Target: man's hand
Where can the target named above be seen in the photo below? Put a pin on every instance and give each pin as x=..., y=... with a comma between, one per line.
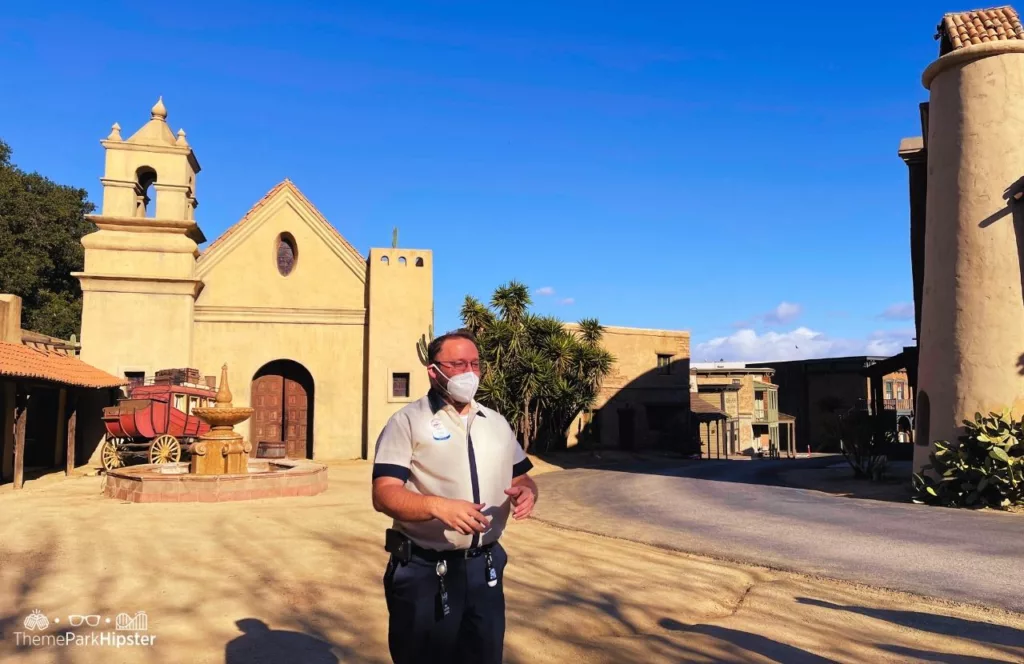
x=459, y=515
x=523, y=498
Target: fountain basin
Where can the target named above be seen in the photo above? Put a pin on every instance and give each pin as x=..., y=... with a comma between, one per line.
x=172, y=482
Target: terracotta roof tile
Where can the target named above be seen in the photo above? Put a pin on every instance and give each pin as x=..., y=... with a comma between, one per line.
x=19, y=361
x=285, y=184
x=980, y=26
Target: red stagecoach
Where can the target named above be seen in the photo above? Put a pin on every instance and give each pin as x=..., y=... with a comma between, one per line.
x=156, y=419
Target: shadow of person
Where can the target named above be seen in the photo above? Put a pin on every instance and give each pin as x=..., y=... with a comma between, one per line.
x=982, y=632
x=259, y=644
x=753, y=643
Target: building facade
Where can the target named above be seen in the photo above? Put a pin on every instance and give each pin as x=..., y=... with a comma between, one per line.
x=645, y=400
x=810, y=390
x=319, y=339
x=42, y=387
x=749, y=398
x=965, y=195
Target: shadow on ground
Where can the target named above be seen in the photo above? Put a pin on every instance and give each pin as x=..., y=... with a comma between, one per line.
x=299, y=580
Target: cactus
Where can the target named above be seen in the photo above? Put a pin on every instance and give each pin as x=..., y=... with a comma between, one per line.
x=424, y=341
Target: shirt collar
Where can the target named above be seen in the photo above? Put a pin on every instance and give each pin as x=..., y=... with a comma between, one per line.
x=437, y=403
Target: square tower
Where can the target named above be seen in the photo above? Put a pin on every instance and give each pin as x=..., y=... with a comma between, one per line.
x=401, y=309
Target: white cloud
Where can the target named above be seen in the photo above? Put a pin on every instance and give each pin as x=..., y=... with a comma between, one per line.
x=545, y=290
x=899, y=311
x=567, y=300
x=786, y=312
x=798, y=344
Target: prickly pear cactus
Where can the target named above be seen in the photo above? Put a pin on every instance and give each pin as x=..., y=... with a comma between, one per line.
x=424, y=341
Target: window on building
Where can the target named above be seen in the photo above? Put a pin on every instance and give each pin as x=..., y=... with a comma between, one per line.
x=900, y=393
x=135, y=378
x=287, y=253
x=663, y=417
x=400, y=385
x=664, y=363
x=888, y=389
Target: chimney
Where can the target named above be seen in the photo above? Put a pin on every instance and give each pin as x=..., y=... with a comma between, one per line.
x=10, y=318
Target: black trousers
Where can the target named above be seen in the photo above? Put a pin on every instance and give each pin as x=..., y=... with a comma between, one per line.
x=473, y=631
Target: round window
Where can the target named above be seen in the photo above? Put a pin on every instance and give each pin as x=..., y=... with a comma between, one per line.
x=286, y=253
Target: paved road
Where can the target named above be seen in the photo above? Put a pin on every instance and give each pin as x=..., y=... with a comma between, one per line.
x=714, y=508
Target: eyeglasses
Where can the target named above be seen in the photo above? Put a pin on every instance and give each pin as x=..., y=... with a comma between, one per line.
x=91, y=621
x=460, y=365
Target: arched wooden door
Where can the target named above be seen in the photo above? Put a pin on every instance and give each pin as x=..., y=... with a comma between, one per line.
x=282, y=401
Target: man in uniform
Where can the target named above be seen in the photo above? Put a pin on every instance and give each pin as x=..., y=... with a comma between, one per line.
x=449, y=472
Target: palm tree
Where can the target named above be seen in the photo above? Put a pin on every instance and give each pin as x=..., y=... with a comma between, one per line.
x=537, y=373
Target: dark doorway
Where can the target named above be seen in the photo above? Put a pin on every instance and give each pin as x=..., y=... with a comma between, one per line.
x=626, y=429
x=282, y=400
x=41, y=430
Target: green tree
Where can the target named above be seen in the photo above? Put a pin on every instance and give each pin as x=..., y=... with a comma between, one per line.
x=536, y=372
x=41, y=227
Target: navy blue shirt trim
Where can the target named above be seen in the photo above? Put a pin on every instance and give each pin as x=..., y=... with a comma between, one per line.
x=390, y=470
x=522, y=468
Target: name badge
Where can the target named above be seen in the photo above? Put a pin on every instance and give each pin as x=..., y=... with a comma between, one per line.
x=438, y=430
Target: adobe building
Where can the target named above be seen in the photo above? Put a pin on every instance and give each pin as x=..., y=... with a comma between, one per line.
x=42, y=384
x=966, y=182
x=320, y=339
x=644, y=402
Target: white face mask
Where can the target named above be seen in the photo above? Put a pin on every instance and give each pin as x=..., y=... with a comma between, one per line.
x=463, y=387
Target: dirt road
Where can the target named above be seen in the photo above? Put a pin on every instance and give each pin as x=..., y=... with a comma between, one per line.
x=298, y=580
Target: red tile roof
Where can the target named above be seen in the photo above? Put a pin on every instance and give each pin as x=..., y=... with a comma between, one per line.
x=981, y=26
x=285, y=184
x=18, y=361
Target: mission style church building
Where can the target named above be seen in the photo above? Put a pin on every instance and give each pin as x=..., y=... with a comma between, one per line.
x=318, y=339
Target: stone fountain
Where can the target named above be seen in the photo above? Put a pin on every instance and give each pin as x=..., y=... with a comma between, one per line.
x=220, y=469
x=221, y=451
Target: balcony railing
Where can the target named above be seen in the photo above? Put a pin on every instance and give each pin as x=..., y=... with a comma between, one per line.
x=898, y=404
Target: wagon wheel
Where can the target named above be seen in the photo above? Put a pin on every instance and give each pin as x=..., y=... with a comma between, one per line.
x=165, y=449
x=113, y=453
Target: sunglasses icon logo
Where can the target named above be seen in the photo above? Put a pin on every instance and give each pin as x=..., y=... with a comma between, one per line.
x=91, y=621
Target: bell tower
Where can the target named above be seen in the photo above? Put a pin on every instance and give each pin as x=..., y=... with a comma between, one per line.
x=138, y=283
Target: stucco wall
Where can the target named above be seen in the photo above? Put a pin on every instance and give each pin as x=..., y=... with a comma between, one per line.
x=401, y=310
x=635, y=381
x=333, y=355
x=971, y=333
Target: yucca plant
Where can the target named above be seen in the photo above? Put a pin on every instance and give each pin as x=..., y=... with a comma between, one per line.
x=984, y=469
x=536, y=373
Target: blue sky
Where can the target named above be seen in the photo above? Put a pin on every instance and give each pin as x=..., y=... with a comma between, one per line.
x=730, y=170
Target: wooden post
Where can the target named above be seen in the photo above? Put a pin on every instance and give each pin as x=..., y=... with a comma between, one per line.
x=20, y=422
x=721, y=437
x=71, y=427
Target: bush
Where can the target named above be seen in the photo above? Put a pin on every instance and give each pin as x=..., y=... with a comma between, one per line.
x=863, y=439
x=985, y=469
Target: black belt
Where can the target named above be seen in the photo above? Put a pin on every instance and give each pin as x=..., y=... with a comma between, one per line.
x=451, y=554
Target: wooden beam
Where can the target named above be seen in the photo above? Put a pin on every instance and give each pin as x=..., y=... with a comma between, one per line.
x=72, y=425
x=20, y=422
